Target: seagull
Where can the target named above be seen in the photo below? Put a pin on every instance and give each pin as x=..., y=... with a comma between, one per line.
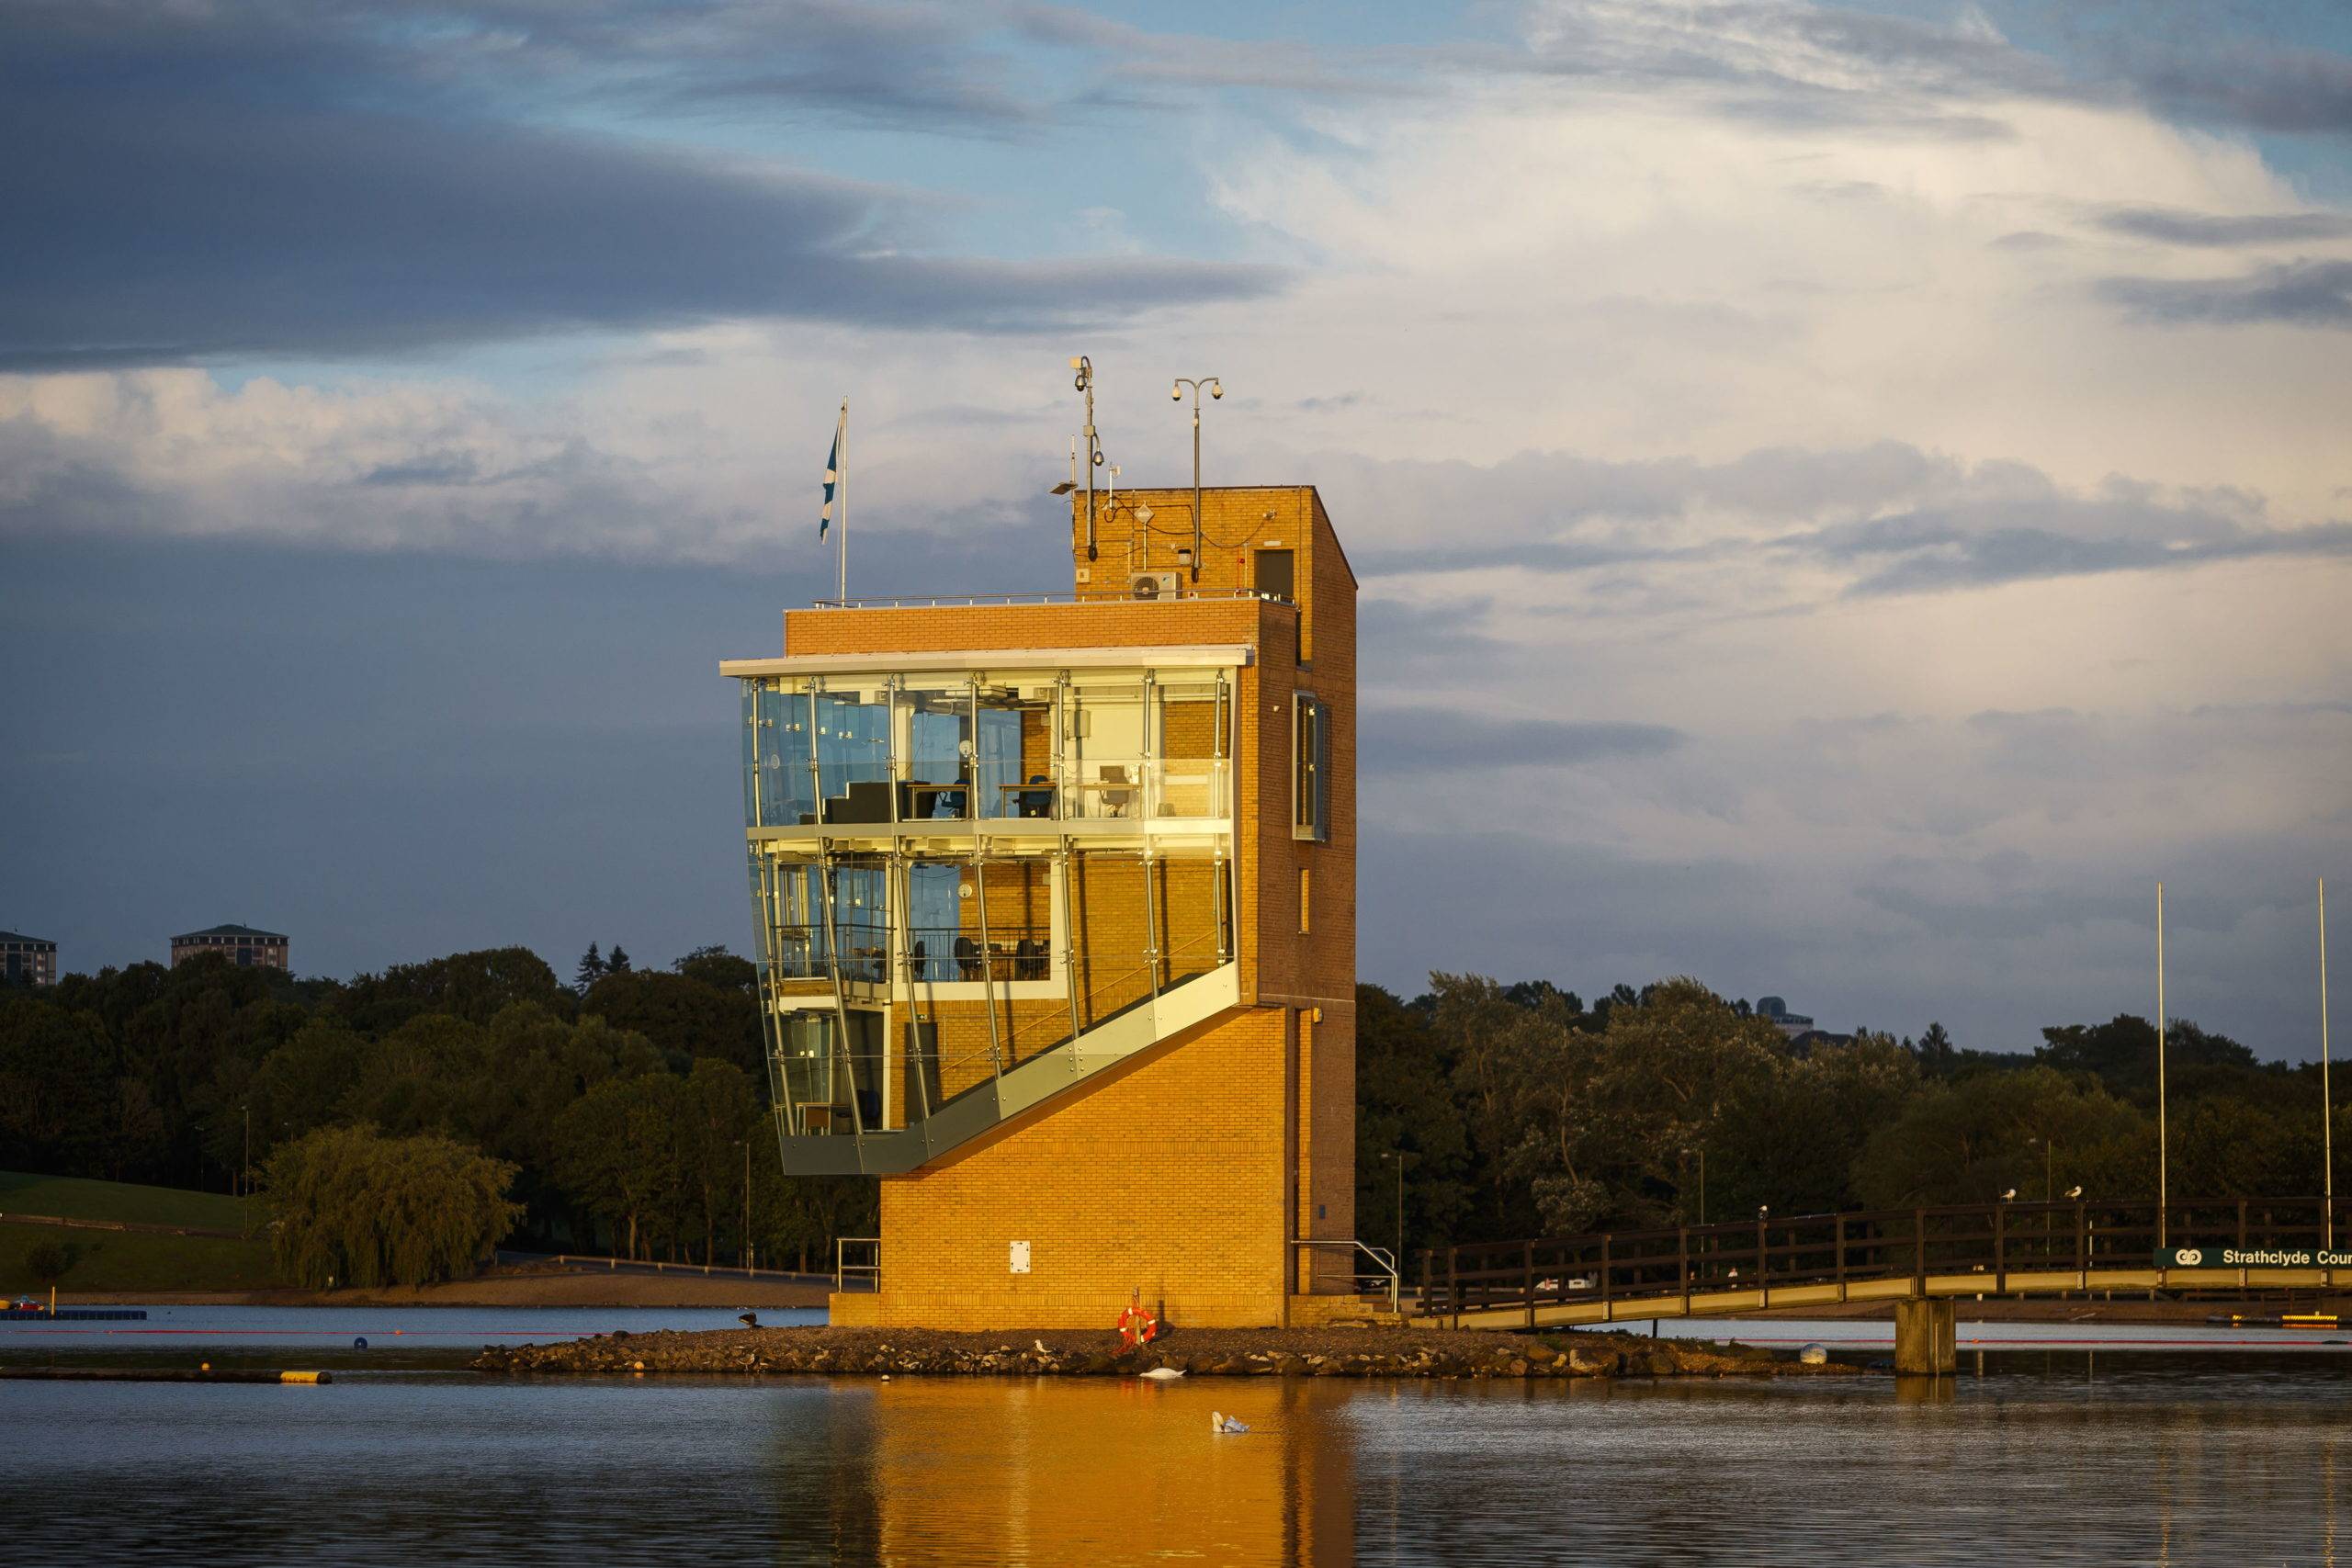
x=2073, y=1191
x=1163, y=1374
x=2011, y=1194
x=1221, y=1423
x=749, y=1319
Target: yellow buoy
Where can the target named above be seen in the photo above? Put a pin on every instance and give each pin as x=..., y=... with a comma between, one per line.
x=306, y=1377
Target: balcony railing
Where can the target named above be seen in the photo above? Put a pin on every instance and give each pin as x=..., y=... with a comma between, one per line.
x=1095, y=790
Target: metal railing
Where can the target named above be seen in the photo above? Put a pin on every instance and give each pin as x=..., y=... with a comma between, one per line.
x=868, y=1266
x=1994, y=1241
x=1384, y=1276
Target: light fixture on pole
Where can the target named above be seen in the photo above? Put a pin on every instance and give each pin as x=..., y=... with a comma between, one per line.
x=1085, y=383
x=1216, y=390
x=1398, y=1157
x=2326, y=1102
x=2164, y=1145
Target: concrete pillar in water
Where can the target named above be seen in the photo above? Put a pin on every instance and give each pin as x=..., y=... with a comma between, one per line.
x=1923, y=1339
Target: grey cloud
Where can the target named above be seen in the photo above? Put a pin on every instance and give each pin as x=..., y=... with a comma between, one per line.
x=2290, y=90
x=251, y=232
x=2304, y=293
x=1795, y=65
x=266, y=185
x=1932, y=555
x=1894, y=518
x=2175, y=227
x=1425, y=739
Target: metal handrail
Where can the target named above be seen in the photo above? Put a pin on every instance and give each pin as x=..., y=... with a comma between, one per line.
x=1768, y=1252
x=1380, y=1254
x=843, y=1269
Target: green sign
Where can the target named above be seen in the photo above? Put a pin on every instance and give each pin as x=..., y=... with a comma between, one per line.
x=2251, y=1257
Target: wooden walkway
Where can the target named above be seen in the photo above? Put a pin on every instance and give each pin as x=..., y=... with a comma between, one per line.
x=1968, y=1250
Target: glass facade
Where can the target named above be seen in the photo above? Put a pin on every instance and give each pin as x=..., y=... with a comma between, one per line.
x=829, y=754
x=955, y=873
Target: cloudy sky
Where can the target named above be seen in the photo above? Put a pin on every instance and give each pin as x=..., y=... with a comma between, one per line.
x=1847, y=496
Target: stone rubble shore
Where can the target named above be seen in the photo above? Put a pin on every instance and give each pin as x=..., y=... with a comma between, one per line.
x=1325, y=1352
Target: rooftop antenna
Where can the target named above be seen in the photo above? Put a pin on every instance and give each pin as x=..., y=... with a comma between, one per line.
x=1085, y=383
x=1216, y=390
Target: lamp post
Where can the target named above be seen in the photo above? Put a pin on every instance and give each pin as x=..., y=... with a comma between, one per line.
x=2163, y=1146
x=1398, y=1157
x=746, y=1248
x=2326, y=1103
x=245, y=1176
x=1216, y=390
x=1084, y=382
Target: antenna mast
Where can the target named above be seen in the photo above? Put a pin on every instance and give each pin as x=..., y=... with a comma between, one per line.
x=1085, y=383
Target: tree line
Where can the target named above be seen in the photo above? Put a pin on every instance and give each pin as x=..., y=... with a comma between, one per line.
x=1522, y=1112
x=626, y=1113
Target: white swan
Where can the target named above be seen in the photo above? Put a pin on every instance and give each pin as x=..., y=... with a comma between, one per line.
x=1163, y=1374
x=1221, y=1423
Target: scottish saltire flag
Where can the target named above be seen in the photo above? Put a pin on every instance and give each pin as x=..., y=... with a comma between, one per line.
x=832, y=475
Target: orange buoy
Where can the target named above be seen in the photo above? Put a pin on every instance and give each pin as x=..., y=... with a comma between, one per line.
x=1136, y=1325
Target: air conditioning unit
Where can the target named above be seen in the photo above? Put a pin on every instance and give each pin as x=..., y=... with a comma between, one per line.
x=1154, y=585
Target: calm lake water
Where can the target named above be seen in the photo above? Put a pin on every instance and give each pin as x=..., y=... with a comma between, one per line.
x=2048, y=1456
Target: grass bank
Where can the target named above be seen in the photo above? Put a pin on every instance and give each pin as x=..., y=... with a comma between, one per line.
x=126, y=1261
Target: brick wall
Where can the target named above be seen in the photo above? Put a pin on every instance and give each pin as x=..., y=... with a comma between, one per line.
x=1164, y=1178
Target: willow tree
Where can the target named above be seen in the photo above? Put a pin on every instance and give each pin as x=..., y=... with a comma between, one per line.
x=353, y=1207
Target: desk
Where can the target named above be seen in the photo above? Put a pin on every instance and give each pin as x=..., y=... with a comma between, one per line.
x=822, y=1118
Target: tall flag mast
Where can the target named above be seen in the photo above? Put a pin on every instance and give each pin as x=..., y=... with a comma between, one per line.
x=837, y=488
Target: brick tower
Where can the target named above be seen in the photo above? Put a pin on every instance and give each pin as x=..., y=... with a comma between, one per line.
x=1055, y=905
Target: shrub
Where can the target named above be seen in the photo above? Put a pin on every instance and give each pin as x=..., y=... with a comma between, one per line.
x=49, y=1261
x=354, y=1207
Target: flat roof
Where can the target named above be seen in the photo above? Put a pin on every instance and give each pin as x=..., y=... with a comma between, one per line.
x=1195, y=656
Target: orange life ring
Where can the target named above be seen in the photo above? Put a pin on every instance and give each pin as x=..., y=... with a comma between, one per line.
x=1136, y=1325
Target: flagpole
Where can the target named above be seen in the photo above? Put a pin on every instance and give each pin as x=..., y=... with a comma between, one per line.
x=2164, y=1212
x=2326, y=1104
x=844, y=491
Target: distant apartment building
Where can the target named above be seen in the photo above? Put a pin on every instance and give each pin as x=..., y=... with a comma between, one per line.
x=241, y=945
x=27, y=960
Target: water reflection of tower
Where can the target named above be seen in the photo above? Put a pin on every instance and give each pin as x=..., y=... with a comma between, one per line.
x=1092, y=1471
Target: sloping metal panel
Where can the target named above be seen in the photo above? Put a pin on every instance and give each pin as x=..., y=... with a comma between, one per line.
x=1020, y=1088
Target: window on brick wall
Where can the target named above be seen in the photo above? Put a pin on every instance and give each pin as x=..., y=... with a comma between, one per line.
x=1311, y=760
